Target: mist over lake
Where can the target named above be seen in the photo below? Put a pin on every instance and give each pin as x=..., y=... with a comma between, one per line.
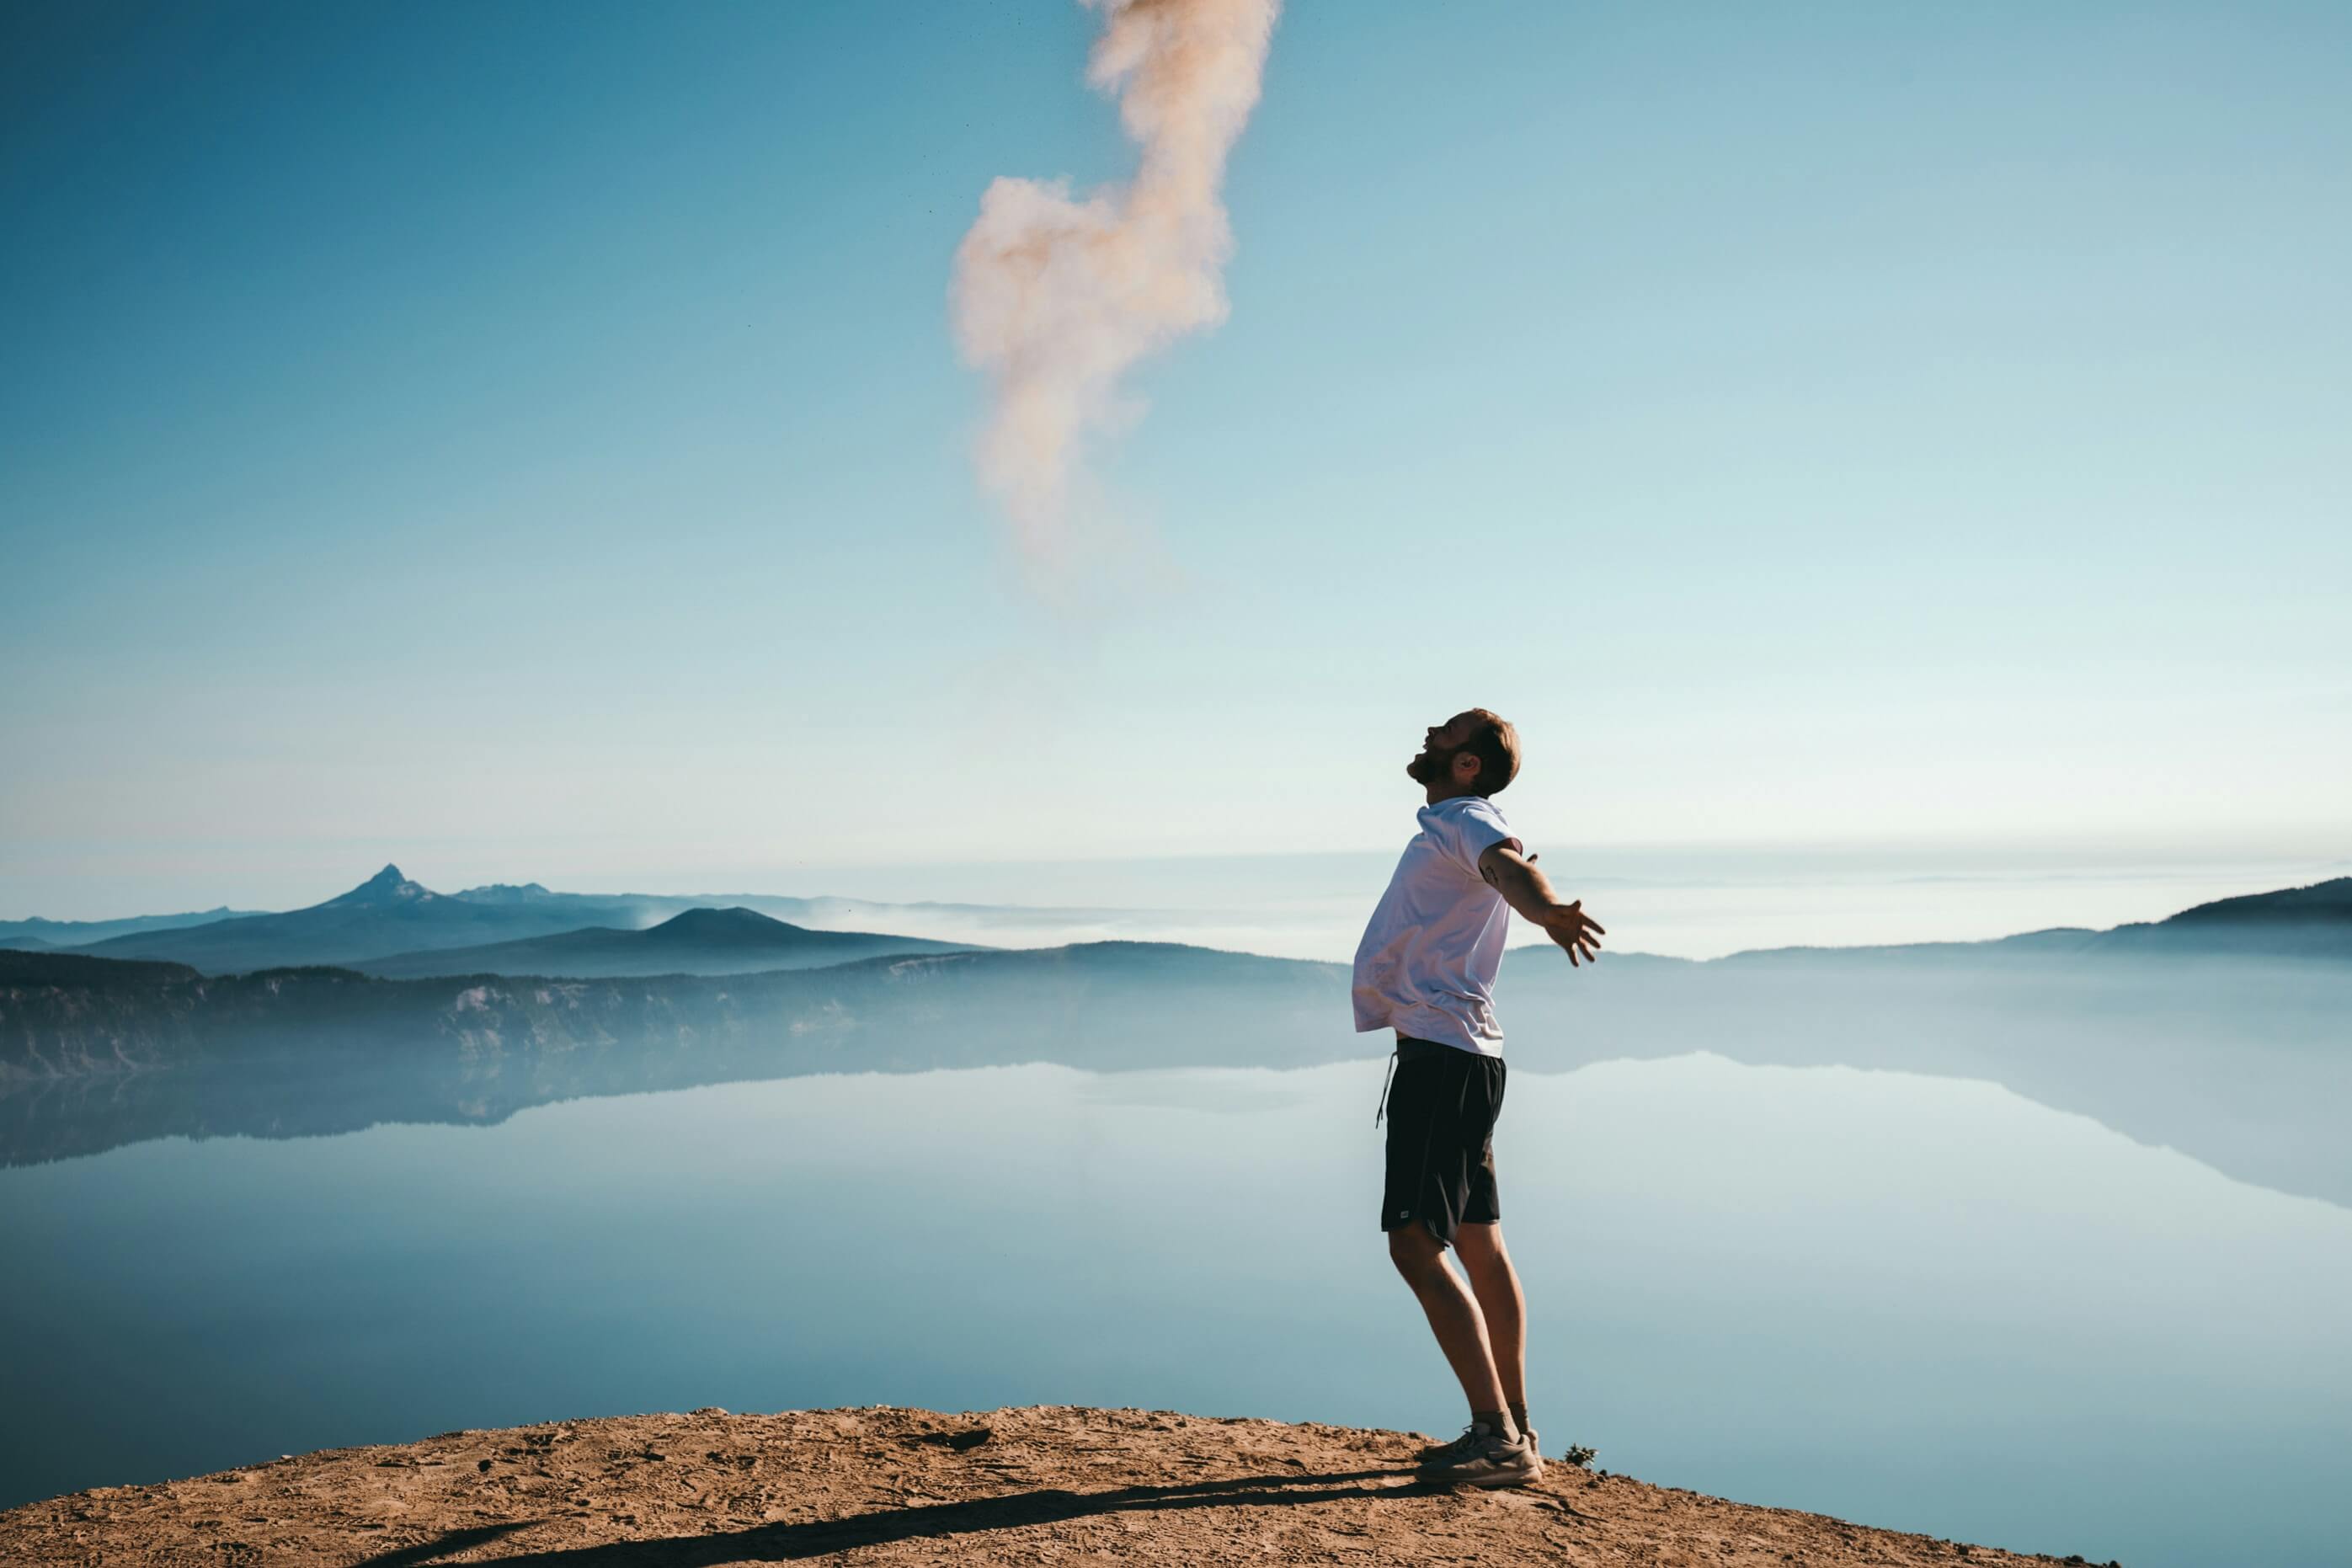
x=1700, y=902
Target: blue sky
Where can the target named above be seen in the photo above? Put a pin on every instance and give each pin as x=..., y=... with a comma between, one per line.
x=527, y=441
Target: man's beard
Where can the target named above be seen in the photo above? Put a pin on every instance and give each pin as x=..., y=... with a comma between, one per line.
x=1430, y=767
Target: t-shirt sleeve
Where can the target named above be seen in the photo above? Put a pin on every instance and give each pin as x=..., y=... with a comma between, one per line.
x=1476, y=829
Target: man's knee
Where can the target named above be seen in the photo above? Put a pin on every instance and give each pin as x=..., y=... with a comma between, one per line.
x=1414, y=1250
x=1486, y=1265
x=1479, y=1243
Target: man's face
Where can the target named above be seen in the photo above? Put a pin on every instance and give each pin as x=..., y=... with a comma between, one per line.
x=1440, y=744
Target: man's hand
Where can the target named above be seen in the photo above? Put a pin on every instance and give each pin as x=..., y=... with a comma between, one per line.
x=1528, y=890
x=1578, y=932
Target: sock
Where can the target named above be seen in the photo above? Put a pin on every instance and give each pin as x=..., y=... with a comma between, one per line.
x=1498, y=1422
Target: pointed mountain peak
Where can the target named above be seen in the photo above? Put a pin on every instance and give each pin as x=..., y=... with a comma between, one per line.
x=386, y=887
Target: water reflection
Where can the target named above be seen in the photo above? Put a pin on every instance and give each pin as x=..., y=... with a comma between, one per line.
x=2243, y=1063
x=1915, y=1301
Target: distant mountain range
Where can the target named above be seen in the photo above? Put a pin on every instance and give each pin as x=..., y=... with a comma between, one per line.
x=391, y=919
x=385, y=914
x=2313, y=921
x=389, y=925
x=2225, y=1032
x=37, y=932
x=699, y=941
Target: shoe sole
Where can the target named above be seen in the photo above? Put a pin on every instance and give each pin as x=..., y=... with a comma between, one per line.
x=1430, y=1460
x=1489, y=1480
x=1507, y=1478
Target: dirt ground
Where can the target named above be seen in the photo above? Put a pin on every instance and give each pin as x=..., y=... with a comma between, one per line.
x=1041, y=1485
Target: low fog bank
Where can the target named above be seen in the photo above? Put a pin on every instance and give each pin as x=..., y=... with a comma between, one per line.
x=1675, y=903
x=94, y=1054
x=2243, y=1063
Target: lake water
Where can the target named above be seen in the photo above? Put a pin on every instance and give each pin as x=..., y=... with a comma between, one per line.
x=1920, y=1302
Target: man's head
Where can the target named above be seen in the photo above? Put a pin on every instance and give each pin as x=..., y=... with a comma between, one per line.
x=1474, y=753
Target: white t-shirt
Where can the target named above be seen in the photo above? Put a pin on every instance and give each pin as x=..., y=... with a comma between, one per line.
x=1426, y=966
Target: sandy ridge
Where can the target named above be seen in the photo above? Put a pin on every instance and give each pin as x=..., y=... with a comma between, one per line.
x=1051, y=1484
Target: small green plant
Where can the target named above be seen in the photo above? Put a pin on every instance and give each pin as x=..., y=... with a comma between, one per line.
x=1580, y=1456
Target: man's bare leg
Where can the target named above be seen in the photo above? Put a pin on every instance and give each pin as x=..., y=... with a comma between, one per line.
x=1454, y=1316
x=1501, y=1305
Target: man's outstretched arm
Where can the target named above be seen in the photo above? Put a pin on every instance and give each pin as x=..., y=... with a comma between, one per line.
x=1529, y=891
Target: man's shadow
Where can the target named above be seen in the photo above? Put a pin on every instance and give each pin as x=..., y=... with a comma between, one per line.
x=785, y=1541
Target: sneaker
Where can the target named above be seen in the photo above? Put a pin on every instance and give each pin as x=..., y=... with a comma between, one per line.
x=1441, y=1454
x=1480, y=1459
x=1447, y=1453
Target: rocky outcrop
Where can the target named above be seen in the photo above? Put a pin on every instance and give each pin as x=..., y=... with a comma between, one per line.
x=1042, y=1484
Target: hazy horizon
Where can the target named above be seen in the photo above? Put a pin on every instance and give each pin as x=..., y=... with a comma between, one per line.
x=1684, y=902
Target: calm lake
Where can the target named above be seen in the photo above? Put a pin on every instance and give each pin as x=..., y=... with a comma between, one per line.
x=1921, y=1302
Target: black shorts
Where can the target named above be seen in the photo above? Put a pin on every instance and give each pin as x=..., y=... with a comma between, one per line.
x=1441, y=1105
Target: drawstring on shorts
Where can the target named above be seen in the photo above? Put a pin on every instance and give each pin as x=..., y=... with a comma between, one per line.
x=1386, y=1078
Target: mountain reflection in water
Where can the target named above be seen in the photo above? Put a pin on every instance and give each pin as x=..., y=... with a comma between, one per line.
x=2244, y=1062
x=1909, y=1301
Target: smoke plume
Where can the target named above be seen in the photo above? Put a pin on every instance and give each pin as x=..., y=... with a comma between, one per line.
x=1055, y=297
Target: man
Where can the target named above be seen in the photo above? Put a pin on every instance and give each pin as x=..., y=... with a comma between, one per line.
x=1426, y=968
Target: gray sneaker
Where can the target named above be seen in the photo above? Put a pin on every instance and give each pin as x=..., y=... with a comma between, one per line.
x=1443, y=1454
x=1480, y=1459
x=1447, y=1453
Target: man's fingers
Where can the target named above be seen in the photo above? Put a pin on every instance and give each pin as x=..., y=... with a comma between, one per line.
x=1580, y=939
x=1597, y=926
